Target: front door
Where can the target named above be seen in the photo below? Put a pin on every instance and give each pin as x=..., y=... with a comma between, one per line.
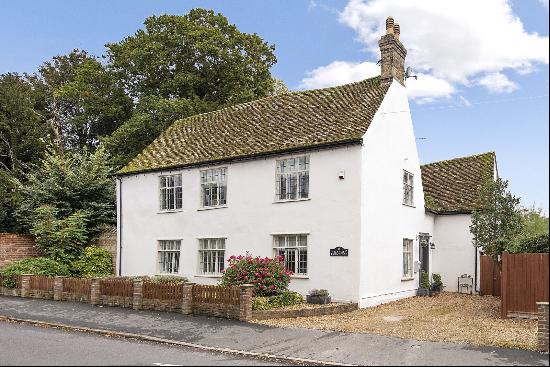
x=424, y=253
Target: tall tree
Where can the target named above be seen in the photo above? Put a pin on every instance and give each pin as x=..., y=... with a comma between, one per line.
x=178, y=66
x=84, y=99
x=499, y=220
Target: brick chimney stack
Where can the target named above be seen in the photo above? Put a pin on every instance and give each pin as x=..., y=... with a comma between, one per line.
x=393, y=54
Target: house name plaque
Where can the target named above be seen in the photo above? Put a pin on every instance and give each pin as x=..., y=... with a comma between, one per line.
x=338, y=251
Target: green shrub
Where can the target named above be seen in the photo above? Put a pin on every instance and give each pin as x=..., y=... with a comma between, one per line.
x=93, y=262
x=531, y=244
x=35, y=266
x=60, y=239
x=424, y=280
x=268, y=276
x=436, y=279
x=283, y=299
x=168, y=279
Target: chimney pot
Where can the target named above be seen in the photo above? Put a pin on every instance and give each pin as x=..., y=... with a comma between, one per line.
x=396, y=30
x=389, y=25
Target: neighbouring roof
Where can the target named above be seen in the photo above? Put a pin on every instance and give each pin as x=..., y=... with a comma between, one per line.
x=281, y=123
x=453, y=186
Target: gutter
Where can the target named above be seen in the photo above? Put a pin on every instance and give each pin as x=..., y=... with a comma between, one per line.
x=119, y=229
x=351, y=141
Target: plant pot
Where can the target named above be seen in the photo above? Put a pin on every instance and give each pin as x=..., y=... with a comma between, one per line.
x=436, y=288
x=423, y=292
x=318, y=300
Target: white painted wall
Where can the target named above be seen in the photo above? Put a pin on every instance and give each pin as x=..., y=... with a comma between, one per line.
x=331, y=217
x=389, y=148
x=454, y=253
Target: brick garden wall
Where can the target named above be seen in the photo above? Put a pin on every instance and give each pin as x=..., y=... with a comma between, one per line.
x=542, y=334
x=15, y=247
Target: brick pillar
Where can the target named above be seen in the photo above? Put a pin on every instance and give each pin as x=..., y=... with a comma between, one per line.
x=58, y=289
x=25, y=285
x=245, y=302
x=137, y=300
x=95, y=292
x=542, y=326
x=187, y=299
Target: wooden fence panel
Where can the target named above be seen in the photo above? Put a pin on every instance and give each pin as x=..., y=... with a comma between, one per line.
x=162, y=291
x=524, y=283
x=490, y=278
x=117, y=287
x=78, y=288
x=216, y=294
x=41, y=283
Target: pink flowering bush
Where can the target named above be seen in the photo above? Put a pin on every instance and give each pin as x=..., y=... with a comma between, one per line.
x=268, y=276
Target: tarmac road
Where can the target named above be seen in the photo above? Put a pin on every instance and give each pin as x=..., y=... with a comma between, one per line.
x=22, y=344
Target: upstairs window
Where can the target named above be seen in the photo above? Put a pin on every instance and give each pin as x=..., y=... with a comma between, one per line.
x=169, y=256
x=170, y=192
x=292, y=178
x=214, y=187
x=408, y=188
x=293, y=248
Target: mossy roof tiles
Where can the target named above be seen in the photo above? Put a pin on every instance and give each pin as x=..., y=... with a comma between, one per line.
x=280, y=123
x=453, y=186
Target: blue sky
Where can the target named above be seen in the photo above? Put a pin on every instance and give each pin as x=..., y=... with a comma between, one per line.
x=482, y=66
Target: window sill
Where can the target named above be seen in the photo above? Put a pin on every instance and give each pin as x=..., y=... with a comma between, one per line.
x=407, y=279
x=299, y=276
x=211, y=207
x=410, y=206
x=169, y=211
x=290, y=200
x=208, y=275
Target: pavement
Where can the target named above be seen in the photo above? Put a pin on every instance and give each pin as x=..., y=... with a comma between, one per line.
x=26, y=345
x=319, y=345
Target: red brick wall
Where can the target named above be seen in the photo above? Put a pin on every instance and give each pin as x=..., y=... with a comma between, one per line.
x=15, y=247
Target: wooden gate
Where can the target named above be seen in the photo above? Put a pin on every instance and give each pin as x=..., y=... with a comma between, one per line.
x=489, y=281
x=524, y=283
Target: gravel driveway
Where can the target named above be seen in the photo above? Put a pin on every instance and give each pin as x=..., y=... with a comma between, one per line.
x=448, y=317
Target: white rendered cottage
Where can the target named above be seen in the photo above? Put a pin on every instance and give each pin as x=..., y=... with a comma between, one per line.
x=302, y=174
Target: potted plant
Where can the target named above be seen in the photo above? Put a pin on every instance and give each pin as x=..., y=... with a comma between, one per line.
x=318, y=297
x=437, y=284
x=424, y=289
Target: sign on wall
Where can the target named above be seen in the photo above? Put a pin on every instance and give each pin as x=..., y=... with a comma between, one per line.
x=338, y=251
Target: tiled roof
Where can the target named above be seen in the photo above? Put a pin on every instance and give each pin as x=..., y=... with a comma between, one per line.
x=453, y=186
x=274, y=124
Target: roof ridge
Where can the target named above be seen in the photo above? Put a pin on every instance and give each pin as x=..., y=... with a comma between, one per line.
x=462, y=157
x=244, y=104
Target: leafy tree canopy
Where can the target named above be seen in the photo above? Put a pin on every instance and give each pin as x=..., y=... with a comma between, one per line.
x=70, y=182
x=499, y=221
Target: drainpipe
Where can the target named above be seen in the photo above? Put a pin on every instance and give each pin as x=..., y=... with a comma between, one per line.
x=119, y=230
x=475, y=269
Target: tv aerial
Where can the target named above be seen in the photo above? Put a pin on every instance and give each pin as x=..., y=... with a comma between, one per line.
x=408, y=73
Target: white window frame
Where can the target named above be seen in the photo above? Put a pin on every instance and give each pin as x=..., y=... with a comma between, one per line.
x=214, y=178
x=408, y=188
x=288, y=170
x=170, y=194
x=213, y=247
x=408, y=258
x=292, y=246
x=168, y=256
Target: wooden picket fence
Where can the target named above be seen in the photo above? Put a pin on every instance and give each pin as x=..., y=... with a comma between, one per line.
x=524, y=283
x=117, y=287
x=161, y=291
x=41, y=283
x=216, y=294
x=77, y=287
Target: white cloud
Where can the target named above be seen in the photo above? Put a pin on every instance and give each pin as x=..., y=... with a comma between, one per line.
x=337, y=73
x=451, y=43
x=497, y=83
x=427, y=88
